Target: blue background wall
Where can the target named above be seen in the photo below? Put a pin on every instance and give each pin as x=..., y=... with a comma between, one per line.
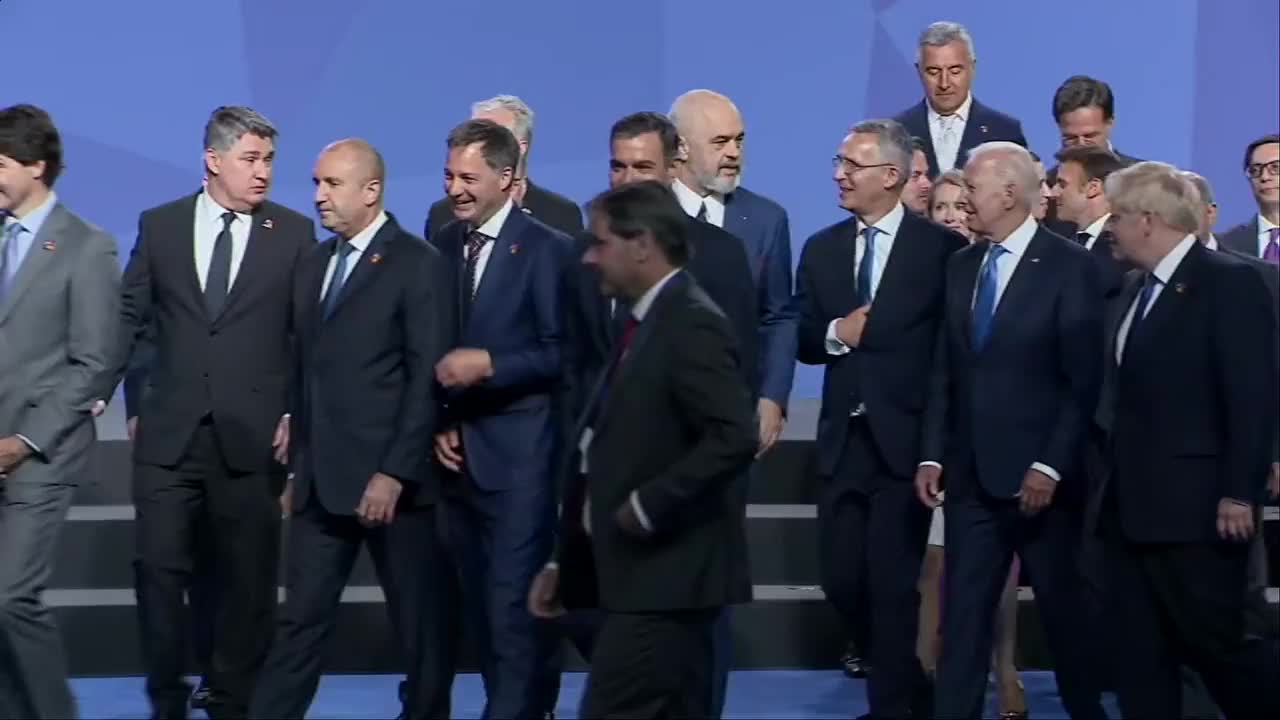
x=131, y=83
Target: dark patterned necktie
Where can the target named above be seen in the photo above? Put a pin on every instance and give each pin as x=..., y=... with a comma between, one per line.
x=475, y=243
x=218, y=281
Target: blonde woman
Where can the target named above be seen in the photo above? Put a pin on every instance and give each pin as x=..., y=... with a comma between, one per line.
x=949, y=207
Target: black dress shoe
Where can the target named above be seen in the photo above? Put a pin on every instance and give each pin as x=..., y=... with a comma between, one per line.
x=853, y=664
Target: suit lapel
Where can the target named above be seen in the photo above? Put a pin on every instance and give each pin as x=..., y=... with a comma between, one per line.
x=897, y=269
x=376, y=253
x=643, y=333
x=41, y=252
x=843, y=261
x=255, y=255
x=1027, y=278
x=184, y=231
x=1116, y=313
x=506, y=248
x=313, y=281
x=1180, y=289
x=963, y=287
x=925, y=133
x=975, y=132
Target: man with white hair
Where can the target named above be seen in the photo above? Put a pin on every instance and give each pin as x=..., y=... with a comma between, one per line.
x=949, y=119
x=709, y=187
x=1015, y=382
x=1192, y=352
x=547, y=207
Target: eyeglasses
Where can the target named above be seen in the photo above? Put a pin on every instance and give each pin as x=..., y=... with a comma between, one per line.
x=851, y=167
x=1272, y=169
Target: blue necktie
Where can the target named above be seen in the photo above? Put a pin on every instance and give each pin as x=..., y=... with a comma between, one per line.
x=9, y=260
x=339, y=277
x=866, y=265
x=1149, y=283
x=984, y=304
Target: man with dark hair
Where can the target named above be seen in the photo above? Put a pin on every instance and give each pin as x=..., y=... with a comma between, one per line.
x=1082, y=169
x=501, y=429
x=890, y=263
x=371, y=305
x=949, y=119
x=551, y=208
x=1260, y=237
x=213, y=428
x=915, y=192
x=59, y=301
x=659, y=523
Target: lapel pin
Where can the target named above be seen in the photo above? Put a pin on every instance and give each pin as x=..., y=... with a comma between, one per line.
x=514, y=248
x=50, y=245
x=1179, y=288
x=1034, y=260
x=268, y=224
x=526, y=211
x=375, y=258
x=982, y=128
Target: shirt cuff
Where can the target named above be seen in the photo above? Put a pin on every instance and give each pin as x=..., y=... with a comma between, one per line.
x=639, y=511
x=1047, y=471
x=34, y=448
x=835, y=346
x=930, y=463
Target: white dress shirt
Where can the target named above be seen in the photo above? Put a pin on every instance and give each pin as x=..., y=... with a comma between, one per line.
x=888, y=227
x=358, y=244
x=1094, y=230
x=946, y=132
x=638, y=310
x=1264, y=234
x=692, y=203
x=1212, y=242
x=1016, y=246
x=208, y=224
x=1164, y=270
x=490, y=229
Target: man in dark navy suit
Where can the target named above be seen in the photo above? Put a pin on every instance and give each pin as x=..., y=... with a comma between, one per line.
x=949, y=120
x=551, y=208
x=370, y=308
x=869, y=291
x=502, y=427
x=1015, y=381
x=708, y=183
x=1260, y=237
x=1080, y=201
x=1192, y=355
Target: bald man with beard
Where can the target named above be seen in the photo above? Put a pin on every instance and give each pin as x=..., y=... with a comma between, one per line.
x=370, y=329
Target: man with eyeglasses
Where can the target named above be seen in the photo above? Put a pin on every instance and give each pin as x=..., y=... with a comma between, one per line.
x=1260, y=237
x=869, y=294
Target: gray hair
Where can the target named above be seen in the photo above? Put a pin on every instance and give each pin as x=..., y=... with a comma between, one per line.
x=229, y=123
x=1013, y=164
x=1202, y=187
x=894, y=144
x=523, y=115
x=942, y=33
x=679, y=112
x=1159, y=189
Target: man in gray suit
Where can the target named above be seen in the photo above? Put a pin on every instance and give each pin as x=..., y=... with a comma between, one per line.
x=59, y=304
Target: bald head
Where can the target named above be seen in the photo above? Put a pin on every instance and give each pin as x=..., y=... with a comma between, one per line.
x=348, y=176
x=711, y=141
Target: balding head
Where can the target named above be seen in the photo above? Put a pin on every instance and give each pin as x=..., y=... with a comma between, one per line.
x=348, y=176
x=711, y=141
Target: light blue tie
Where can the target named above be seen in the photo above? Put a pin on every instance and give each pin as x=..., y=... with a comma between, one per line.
x=984, y=305
x=9, y=259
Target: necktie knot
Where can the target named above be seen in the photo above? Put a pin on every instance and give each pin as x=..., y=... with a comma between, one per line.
x=475, y=241
x=702, y=212
x=228, y=218
x=996, y=251
x=1271, y=253
x=344, y=248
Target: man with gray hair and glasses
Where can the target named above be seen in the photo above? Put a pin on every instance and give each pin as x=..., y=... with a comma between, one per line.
x=888, y=263
x=214, y=272
x=549, y=208
x=1191, y=348
x=949, y=119
x=1015, y=383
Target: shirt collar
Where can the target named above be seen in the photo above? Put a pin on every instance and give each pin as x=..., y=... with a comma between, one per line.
x=362, y=239
x=641, y=307
x=690, y=201
x=1212, y=242
x=1095, y=228
x=33, y=220
x=1170, y=262
x=889, y=224
x=1020, y=238
x=1265, y=225
x=213, y=212
x=493, y=226
x=961, y=113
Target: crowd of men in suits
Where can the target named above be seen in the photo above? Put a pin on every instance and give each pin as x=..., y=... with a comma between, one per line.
x=547, y=429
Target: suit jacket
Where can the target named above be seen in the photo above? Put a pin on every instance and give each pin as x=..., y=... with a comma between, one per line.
x=1194, y=415
x=364, y=393
x=898, y=343
x=984, y=125
x=1028, y=396
x=680, y=388
x=552, y=209
x=1242, y=238
x=718, y=263
x=56, y=340
x=509, y=422
x=763, y=227
x=1111, y=269
x=234, y=366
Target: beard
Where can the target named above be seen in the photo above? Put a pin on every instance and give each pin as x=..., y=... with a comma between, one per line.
x=715, y=183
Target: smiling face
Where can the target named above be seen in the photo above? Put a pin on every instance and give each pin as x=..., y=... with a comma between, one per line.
x=637, y=158
x=476, y=191
x=862, y=177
